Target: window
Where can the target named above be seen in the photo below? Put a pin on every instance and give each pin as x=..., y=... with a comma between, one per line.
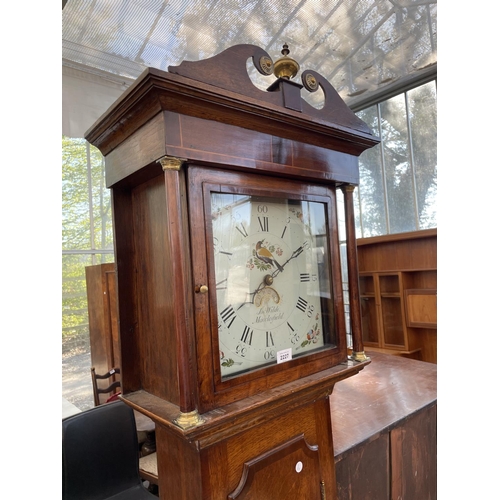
x=398, y=178
x=87, y=239
x=397, y=189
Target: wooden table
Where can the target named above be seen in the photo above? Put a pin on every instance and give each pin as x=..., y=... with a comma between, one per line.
x=384, y=430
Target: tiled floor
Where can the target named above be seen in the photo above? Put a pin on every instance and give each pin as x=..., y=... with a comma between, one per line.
x=76, y=380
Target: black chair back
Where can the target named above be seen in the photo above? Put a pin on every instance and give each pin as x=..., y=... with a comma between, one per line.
x=100, y=453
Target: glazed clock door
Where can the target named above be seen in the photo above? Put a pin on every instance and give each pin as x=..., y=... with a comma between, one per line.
x=272, y=270
x=269, y=278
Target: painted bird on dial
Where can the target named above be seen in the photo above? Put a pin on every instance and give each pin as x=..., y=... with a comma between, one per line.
x=266, y=256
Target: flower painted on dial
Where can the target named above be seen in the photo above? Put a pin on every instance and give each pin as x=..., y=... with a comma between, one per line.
x=312, y=336
x=227, y=362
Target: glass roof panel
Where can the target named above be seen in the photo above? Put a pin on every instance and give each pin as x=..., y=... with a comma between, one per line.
x=360, y=46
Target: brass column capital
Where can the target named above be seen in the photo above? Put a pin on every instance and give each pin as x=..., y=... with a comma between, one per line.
x=349, y=188
x=188, y=420
x=171, y=162
x=359, y=356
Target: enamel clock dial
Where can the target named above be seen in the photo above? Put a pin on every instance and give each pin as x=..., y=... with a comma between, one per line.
x=272, y=279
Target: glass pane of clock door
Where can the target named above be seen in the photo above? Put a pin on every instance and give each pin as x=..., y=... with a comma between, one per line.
x=273, y=279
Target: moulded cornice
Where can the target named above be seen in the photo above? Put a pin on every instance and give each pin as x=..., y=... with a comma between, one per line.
x=156, y=90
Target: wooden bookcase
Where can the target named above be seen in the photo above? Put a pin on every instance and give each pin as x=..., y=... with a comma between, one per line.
x=398, y=293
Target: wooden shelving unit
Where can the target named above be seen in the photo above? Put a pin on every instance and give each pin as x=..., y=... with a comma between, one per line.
x=398, y=293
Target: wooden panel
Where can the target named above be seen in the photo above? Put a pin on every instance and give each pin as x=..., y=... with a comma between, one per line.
x=290, y=470
x=429, y=344
x=220, y=138
x=414, y=457
x=371, y=402
x=179, y=468
x=273, y=447
x=143, y=147
x=154, y=277
x=421, y=308
x=384, y=430
x=210, y=141
x=309, y=421
x=364, y=474
x=103, y=321
x=126, y=289
x=420, y=279
x=398, y=252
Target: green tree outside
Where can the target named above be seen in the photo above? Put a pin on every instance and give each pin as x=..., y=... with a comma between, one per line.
x=407, y=185
x=86, y=231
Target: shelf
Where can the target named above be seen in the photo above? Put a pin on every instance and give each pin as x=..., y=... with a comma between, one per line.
x=388, y=238
x=393, y=351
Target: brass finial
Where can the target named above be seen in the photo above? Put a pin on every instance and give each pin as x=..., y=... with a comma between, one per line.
x=286, y=67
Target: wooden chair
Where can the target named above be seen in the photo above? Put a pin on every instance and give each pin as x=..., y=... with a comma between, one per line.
x=110, y=390
x=145, y=435
x=100, y=458
x=148, y=470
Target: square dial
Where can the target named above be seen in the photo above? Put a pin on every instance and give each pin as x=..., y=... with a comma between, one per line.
x=272, y=275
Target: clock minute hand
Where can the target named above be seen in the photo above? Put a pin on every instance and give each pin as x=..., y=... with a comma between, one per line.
x=294, y=255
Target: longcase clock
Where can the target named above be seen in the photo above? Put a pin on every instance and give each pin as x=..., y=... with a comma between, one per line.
x=231, y=309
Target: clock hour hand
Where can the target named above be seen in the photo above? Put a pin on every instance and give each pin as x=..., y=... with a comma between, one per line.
x=268, y=279
x=253, y=294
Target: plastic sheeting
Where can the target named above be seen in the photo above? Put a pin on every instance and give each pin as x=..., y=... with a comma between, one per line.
x=360, y=46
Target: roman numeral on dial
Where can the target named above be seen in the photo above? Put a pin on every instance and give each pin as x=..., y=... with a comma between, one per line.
x=269, y=339
x=222, y=285
x=228, y=315
x=264, y=223
x=241, y=228
x=302, y=304
x=247, y=335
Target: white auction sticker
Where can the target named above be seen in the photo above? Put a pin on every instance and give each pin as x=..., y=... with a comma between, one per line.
x=284, y=355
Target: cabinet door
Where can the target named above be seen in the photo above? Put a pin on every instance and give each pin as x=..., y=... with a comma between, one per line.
x=103, y=319
x=392, y=320
x=289, y=471
x=391, y=309
x=369, y=316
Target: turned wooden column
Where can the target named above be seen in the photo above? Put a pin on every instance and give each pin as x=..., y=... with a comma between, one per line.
x=358, y=352
x=176, y=199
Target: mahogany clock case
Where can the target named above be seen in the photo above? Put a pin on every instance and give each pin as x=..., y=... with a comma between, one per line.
x=167, y=141
x=173, y=140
